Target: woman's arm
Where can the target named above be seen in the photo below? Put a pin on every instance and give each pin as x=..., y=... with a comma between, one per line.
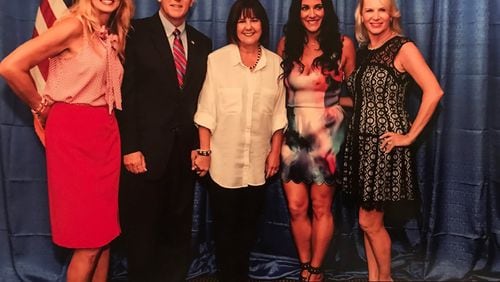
x=410, y=59
x=206, y=120
x=348, y=63
x=279, y=123
x=15, y=68
x=273, y=158
x=348, y=60
x=281, y=46
x=201, y=162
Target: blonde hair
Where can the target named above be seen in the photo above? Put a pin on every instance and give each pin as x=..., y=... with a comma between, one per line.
x=118, y=23
x=360, y=29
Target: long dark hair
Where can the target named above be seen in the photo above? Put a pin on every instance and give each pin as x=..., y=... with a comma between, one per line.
x=247, y=8
x=329, y=38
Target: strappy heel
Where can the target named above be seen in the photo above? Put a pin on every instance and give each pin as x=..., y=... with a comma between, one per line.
x=315, y=271
x=304, y=266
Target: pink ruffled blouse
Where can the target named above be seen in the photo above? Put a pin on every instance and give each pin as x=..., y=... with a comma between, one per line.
x=91, y=77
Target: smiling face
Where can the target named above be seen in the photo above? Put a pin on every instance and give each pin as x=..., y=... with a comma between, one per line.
x=176, y=10
x=311, y=15
x=376, y=18
x=248, y=30
x=104, y=8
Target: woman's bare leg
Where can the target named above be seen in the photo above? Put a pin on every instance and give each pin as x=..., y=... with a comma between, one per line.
x=101, y=270
x=372, y=223
x=82, y=265
x=298, y=202
x=322, y=224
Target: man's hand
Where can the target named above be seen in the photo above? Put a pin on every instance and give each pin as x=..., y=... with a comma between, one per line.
x=135, y=162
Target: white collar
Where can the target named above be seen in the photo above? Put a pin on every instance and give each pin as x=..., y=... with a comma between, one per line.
x=169, y=27
x=235, y=58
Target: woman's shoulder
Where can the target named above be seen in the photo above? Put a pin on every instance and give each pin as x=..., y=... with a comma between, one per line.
x=398, y=43
x=346, y=39
x=224, y=50
x=400, y=40
x=225, y=53
x=64, y=33
x=281, y=46
x=70, y=23
x=271, y=55
x=347, y=44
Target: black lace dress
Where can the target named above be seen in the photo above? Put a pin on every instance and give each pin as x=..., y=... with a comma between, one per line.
x=375, y=178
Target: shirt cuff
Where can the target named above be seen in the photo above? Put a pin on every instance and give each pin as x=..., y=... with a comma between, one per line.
x=205, y=120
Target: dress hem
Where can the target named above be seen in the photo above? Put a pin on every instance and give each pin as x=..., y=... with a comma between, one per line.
x=333, y=183
x=89, y=246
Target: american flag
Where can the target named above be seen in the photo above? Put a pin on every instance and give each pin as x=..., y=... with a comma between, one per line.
x=48, y=12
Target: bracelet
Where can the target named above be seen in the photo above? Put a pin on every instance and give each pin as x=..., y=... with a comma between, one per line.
x=41, y=107
x=205, y=153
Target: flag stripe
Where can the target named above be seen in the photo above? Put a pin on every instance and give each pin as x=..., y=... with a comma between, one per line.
x=40, y=24
x=58, y=7
x=38, y=78
x=48, y=12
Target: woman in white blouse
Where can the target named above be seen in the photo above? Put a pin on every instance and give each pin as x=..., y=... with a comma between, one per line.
x=241, y=116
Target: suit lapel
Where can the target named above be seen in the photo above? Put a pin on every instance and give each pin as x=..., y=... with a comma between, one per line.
x=193, y=55
x=160, y=41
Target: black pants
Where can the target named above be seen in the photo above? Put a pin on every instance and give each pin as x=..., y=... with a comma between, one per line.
x=236, y=213
x=156, y=218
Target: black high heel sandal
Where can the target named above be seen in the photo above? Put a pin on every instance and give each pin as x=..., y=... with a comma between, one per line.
x=304, y=266
x=315, y=270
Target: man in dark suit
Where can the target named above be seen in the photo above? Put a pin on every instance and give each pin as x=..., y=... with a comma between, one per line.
x=165, y=66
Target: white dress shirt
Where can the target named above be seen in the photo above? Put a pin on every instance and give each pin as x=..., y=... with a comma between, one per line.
x=169, y=32
x=242, y=109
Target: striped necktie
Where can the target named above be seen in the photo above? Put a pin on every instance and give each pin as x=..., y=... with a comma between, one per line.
x=179, y=58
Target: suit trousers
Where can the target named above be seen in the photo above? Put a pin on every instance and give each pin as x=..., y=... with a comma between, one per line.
x=156, y=216
x=236, y=214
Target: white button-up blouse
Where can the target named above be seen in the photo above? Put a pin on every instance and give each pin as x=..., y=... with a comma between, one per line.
x=242, y=109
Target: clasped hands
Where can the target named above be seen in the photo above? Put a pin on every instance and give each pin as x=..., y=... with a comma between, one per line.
x=199, y=163
x=136, y=163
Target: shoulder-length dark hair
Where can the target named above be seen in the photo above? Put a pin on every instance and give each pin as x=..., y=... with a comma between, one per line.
x=329, y=38
x=247, y=8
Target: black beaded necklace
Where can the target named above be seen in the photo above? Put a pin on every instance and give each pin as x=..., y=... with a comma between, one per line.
x=259, y=54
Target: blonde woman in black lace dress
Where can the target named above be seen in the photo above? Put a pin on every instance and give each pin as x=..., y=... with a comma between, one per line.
x=378, y=163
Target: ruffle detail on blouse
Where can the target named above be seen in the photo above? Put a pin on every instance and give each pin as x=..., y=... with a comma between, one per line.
x=113, y=95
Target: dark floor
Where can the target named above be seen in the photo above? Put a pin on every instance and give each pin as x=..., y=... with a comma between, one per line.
x=213, y=279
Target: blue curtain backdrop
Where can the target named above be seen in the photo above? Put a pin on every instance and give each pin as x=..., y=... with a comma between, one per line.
x=458, y=234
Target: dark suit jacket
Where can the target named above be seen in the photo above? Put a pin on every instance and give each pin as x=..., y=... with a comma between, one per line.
x=155, y=110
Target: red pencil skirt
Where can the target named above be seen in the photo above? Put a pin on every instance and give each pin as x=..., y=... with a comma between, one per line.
x=83, y=171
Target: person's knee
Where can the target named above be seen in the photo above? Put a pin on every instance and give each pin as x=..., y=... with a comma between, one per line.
x=297, y=208
x=369, y=224
x=88, y=256
x=321, y=209
x=93, y=256
x=365, y=224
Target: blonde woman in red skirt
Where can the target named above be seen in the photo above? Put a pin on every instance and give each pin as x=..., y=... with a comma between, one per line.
x=81, y=134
